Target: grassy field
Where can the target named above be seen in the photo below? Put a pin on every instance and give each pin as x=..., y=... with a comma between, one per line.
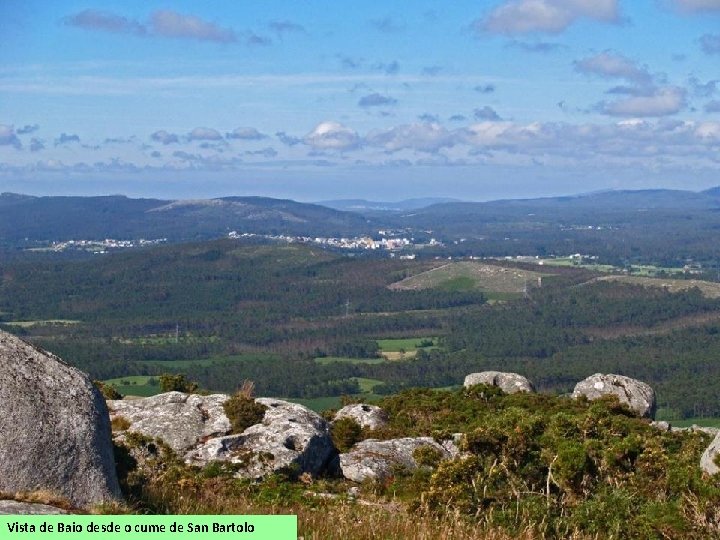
x=324, y=360
x=405, y=344
x=471, y=275
x=134, y=385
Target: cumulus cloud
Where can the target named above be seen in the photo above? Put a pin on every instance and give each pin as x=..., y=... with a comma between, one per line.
x=663, y=101
x=204, y=134
x=695, y=6
x=164, y=23
x=27, y=129
x=710, y=43
x=245, y=133
x=164, y=137
x=703, y=89
x=8, y=137
x=92, y=19
x=168, y=23
x=553, y=16
x=486, y=113
x=376, y=100
x=425, y=137
x=332, y=136
x=613, y=65
x=65, y=138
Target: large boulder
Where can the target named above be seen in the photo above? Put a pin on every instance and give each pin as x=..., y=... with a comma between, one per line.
x=510, y=383
x=637, y=395
x=290, y=437
x=377, y=460
x=26, y=508
x=54, y=428
x=181, y=420
x=707, y=461
x=368, y=416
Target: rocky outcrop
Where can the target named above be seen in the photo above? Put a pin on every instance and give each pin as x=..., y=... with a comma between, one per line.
x=54, y=428
x=181, y=420
x=637, y=395
x=707, y=460
x=368, y=416
x=26, y=509
x=510, y=383
x=377, y=460
x=290, y=436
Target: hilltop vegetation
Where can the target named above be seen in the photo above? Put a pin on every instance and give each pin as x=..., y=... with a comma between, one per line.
x=226, y=311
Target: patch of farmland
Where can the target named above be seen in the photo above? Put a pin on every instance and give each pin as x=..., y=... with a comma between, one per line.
x=472, y=275
x=708, y=288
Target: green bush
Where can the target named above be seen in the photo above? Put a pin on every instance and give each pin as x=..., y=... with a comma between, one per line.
x=243, y=412
x=345, y=433
x=177, y=383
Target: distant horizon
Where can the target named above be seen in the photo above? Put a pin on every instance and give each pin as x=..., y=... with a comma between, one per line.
x=351, y=198
x=308, y=101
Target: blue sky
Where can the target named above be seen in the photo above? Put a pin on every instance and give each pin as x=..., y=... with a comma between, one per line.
x=316, y=100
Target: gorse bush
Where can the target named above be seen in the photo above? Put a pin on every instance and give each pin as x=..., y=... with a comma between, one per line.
x=345, y=433
x=243, y=412
x=178, y=383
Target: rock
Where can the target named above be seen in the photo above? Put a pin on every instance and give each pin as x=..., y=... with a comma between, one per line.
x=661, y=425
x=510, y=383
x=290, y=436
x=54, y=426
x=707, y=460
x=376, y=460
x=640, y=397
x=181, y=420
x=26, y=509
x=368, y=416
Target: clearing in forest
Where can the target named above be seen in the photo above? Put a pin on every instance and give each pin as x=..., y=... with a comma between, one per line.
x=471, y=275
x=708, y=288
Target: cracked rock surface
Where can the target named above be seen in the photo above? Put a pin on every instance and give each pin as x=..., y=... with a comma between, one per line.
x=54, y=427
x=637, y=395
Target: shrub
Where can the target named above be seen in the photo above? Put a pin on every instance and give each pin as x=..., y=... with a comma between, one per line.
x=243, y=412
x=178, y=383
x=108, y=391
x=345, y=433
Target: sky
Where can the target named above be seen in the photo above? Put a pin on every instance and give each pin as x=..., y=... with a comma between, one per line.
x=317, y=100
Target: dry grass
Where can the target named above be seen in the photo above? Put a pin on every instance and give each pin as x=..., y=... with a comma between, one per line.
x=487, y=277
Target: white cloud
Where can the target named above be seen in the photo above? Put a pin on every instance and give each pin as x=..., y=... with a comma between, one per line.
x=204, y=134
x=553, y=16
x=93, y=19
x=662, y=102
x=332, y=136
x=425, y=137
x=168, y=23
x=609, y=64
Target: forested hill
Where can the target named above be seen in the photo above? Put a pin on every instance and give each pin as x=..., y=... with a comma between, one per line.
x=65, y=218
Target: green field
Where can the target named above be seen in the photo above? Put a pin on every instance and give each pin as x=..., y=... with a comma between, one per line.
x=405, y=344
x=705, y=422
x=318, y=404
x=134, y=385
x=324, y=360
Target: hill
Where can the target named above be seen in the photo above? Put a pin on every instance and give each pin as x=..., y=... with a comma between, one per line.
x=27, y=219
